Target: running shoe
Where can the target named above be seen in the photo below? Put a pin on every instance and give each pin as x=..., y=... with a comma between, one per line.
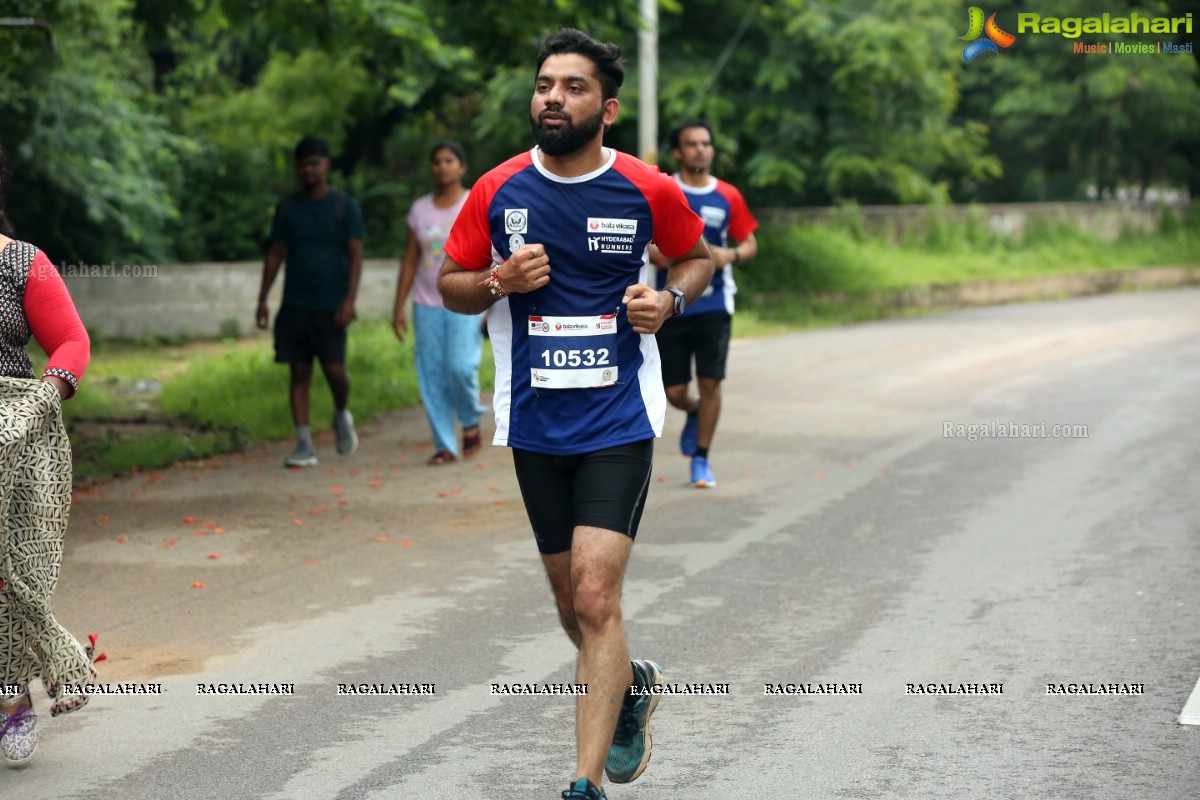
x=690, y=438
x=303, y=456
x=702, y=475
x=584, y=789
x=347, y=437
x=18, y=736
x=630, y=751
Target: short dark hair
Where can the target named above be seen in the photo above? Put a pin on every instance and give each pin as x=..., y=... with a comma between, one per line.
x=605, y=55
x=678, y=130
x=453, y=147
x=311, y=146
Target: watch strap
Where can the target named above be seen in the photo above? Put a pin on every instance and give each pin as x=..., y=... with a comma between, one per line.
x=680, y=299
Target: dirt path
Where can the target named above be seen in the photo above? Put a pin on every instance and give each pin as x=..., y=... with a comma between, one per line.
x=218, y=542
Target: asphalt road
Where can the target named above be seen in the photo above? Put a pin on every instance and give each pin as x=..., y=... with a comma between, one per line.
x=850, y=542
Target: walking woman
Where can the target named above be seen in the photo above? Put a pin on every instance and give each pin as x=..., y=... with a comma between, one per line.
x=448, y=345
x=35, y=490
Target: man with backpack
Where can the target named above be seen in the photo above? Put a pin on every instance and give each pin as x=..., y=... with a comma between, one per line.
x=319, y=231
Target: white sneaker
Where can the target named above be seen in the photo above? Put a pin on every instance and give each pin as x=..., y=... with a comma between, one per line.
x=18, y=736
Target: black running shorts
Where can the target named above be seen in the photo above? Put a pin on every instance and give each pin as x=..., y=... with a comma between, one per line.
x=706, y=336
x=605, y=489
x=302, y=334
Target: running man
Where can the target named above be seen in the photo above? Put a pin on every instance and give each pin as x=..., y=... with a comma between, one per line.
x=555, y=242
x=319, y=230
x=704, y=329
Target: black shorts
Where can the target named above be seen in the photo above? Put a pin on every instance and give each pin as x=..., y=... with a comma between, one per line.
x=706, y=336
x=302, y=334
x=605, y=489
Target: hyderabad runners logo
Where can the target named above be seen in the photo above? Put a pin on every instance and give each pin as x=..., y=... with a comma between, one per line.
x=979, y=45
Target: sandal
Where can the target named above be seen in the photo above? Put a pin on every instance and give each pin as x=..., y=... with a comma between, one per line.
x=472, y=442
x=441, y=457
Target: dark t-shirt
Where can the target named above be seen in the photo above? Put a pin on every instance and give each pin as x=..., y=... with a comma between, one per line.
x=318, y=267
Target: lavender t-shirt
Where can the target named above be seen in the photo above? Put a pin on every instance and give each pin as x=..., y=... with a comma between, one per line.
x=431, y=225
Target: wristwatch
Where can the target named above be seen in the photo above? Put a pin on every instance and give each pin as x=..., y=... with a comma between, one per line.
x=680, y=300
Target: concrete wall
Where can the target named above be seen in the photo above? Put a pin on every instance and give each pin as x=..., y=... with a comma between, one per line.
x=208, y=300
x=202, y=300
x=1104, y=220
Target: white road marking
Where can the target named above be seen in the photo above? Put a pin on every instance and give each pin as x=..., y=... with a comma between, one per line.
x=1191, y=709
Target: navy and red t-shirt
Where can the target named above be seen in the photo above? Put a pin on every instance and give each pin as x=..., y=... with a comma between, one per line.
x=725, y=214
x=571, y=375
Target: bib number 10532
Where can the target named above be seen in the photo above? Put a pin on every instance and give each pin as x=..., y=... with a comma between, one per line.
x=573, y=352
x=575, y=358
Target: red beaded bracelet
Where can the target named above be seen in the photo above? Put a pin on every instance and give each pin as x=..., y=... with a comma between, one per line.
x=492, y=281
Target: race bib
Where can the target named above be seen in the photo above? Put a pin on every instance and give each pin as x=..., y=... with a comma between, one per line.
x=573, y=352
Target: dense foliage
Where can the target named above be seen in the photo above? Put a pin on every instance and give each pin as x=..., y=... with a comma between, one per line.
x=161, y=130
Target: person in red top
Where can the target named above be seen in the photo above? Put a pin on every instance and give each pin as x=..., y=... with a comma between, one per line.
x=33, y=300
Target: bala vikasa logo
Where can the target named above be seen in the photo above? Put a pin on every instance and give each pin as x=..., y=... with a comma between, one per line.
x=979, y=44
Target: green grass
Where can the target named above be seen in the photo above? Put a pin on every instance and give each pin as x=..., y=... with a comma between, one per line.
x=244, y=392
x=218, y=396
x=95, y=458
x=807, y=276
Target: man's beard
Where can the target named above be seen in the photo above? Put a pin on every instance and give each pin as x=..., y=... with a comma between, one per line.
x=569, y=138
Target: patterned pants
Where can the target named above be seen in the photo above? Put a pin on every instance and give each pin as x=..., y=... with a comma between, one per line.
x=35, y=500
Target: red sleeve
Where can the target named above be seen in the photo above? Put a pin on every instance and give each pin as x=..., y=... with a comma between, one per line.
x=55, y=323
x=741, y=222
x=470, y=241
x=676, y=226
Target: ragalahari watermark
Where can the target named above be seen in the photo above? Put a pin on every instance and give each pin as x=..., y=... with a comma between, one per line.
x=110, y=270
x=999, y=429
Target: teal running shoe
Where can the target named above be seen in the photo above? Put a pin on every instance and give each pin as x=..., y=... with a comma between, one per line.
x=630, y=751
x=583, y=789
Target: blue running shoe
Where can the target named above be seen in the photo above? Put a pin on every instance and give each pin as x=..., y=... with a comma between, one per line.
x=583, y=789
x=630, y=751
x=690, y=438
x=702, y=475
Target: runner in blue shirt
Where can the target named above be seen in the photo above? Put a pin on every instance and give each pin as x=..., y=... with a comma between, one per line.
x=703, y=332
x=555, y=243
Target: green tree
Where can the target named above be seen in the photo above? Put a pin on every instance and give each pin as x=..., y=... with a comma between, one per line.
x=821, y=102
x=96, y=167
x=162, y=129
x=1063, y=122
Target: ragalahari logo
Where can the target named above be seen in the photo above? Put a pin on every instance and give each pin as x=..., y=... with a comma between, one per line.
x=994, y=40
